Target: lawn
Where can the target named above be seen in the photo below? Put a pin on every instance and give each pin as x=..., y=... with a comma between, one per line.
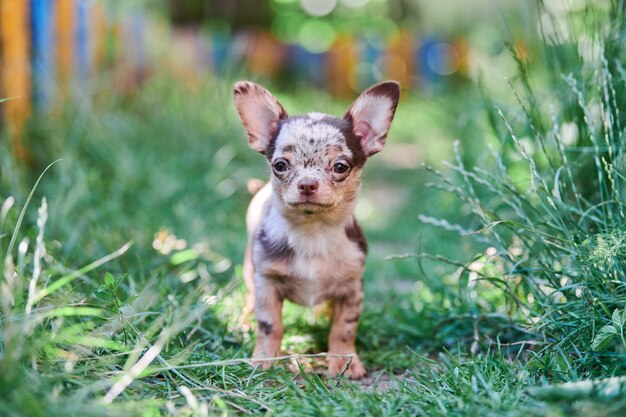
x=493, y=281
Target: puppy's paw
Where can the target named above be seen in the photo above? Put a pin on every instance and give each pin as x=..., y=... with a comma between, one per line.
x=263, y=363
x=355, y=370
x=261, y=357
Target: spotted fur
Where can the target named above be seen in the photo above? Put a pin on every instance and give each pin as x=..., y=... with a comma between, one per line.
x=304, y=242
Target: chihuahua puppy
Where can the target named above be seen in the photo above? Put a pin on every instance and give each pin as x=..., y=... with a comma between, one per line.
x=304, y=243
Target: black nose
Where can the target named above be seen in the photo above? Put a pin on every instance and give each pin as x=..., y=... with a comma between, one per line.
x=308, y=187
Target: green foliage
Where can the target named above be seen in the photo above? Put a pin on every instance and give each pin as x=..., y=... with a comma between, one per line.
x=110, y=291
x=606, y=333
x=549, y=204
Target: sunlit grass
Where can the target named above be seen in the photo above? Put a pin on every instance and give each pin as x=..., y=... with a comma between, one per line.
x=551, y=207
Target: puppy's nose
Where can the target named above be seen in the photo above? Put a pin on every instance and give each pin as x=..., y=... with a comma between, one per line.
x=308, y=187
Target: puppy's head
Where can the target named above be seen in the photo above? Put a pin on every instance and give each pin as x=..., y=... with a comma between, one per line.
x=316, y=159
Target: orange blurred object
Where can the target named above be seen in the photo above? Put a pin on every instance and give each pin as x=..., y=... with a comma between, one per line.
x=65, y=20
x=99, y=24
x=399, y=59
x=184, y=40
x=521, y=50
x=462, y=63
x=265, y=54
x=15, y=76
x=342, y=58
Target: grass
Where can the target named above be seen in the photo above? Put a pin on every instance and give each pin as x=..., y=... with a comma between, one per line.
x=551, y=211
x=121, y=277
x=163, y=190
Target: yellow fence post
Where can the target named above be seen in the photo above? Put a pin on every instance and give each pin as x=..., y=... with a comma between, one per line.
x=15, y=69
x=400, y=58
x=342, y=59
x=265, y=54
x=99, y=33
x=65, y=34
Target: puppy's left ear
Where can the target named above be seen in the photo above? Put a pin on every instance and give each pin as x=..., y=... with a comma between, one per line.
x=371, y=115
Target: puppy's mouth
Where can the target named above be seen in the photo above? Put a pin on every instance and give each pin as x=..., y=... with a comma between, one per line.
x=310, y=207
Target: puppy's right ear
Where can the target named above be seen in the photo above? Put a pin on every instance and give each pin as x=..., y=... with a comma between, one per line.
x=259, y=112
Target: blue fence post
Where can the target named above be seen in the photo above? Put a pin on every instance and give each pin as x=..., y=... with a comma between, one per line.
x=41, y=20
x=371, y=55
x=221, y=58
x=83, y=49
x=427, y=55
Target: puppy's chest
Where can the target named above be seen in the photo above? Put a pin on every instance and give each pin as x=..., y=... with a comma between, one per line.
x=322, y=265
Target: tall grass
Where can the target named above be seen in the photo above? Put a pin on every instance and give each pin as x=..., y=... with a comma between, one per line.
x=549, y=203
x=74, y=352
x=108, y=338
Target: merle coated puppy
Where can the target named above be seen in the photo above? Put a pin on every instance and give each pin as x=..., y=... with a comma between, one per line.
x=304, y=243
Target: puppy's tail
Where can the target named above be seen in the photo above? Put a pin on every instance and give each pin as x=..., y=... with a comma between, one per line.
x=255, y=185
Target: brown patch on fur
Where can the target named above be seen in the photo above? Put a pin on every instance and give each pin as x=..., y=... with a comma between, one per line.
x=241, y=89
x=276, y=270
x=274, y=250
x=265, y=327
x=354, y=143
x=389, y=89
x=271, y=147
x=355, y=234
x=353, y=319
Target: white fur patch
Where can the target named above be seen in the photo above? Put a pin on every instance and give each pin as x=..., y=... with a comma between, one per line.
x=315, y=116
x=375, y=110
x=300, y=131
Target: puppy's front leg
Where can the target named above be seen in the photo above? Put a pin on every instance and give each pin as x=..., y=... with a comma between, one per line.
x=248, y=275
x=268, y=312
x=346, y=314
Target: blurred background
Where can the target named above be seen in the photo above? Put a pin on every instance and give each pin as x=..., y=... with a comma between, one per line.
x=119, y=88
x=135, y=97
x=56, y=49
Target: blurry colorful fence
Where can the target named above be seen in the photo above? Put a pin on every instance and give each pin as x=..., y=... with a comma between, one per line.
x=54, y=49
x=352, y=63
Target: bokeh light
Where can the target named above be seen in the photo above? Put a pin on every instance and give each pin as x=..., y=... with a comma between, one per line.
x=354, y=4
x=316, y=35
x=443, y=58
x=318, y=7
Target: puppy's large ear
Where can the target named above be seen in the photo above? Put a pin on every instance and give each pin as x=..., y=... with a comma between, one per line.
x=259, y=112
x=371, y=115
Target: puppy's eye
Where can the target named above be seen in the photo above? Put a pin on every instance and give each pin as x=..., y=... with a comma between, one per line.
x=280, y=166
x=340, y=168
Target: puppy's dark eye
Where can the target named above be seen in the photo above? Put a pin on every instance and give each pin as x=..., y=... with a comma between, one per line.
x=340, y=168
x=280, y=166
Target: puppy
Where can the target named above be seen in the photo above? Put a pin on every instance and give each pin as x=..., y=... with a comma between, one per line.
x=304, y=243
